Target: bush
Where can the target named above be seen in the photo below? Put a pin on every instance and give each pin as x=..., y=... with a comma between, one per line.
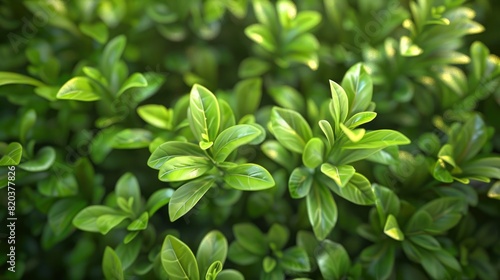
x=250, y=139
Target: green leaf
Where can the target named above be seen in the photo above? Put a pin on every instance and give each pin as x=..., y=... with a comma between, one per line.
x=230, y=274
x=295, y=259
x=128, y=252
x=232, y=138
x=178, y=260
x=132, y=138
x=111, y=265
x=171, y=149
x=359, y=119
x=250, y=238
x=27, y=122
x=62, y=213
x=387, y=202
x=291, y=129
x=128, y=187
x=212, y=248
x=248, y=95
x=43, y=160
x=340, y=174
x=494, y=191
x=107, y=222
x=213, y=270
x=354, y=135
x=392, y=230
x=239, y=255
x=268, y=264
x=378, y=139
x=156, y=115
x=278, y=236
x=305, y=21
x=300, y=182
x=470, y=139
x=333, y=260
x=252, y=67
x=313, y=153
x=78, y=88
x=327, y=129
x=287, y=97
x=87, y=218
x=446, y=154
x=186, y=197
x=204, y=116
x=140, y=223
x=339, y=108
x=111, y=54
x=479, y=56
x=134, y=81
x=358, y=87
x=227, y=118
x=437, y=216
x=275, y=151
x=184, y=168
x=262, y=36
x=358, y=190
x=380, y=258
x=97, y=31
x=58, y=185
x=8, y=78
x=321, y=210
x=158, y=199
x=425, y=241
x=248, y=177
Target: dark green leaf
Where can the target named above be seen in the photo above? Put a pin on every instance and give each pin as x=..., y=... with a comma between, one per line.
x=250, y=238
x=97, y=31
x=278, y=235
x=248, y=94
x=27, y=122
x=230, y=274
x=43, y=160
x=321, y=210
x=333, y=260
x=62, y=213
x=158, y=199
x=295, y=259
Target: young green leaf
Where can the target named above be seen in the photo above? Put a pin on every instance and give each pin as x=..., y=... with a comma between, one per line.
x=172, y=149
x=359, y=119
x=248, y=177
x=239, y=255
x=333, y=260
x=248, y=94
x=62, y=212
x=327, y=129
x=392, y=230
x=78, y=88
x=232, y=138
x=300, y=182
x=340, y=174
x=313, y=154
x=378, y=139
x=268, y=264
x=291, y=129
x=97, y=31
x=470, y=139
x=128, y=187
x=204, y=116
x=213, y=248
x=339, y=108
x=213, y=270
x=278, y=236
x=132, y=138
x=354, y=135
x=111, y=54
x=252, y=67
x=111, y=265
x=359, y=88
x=186, y=197
x=140, y=223
x=230, y=274
x=184, y=168
x=275, y=151
x=321, y=210
x=107, y=222
x=156, y=115
x=178, y=260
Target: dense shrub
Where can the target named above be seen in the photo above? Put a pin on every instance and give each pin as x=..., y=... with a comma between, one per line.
x=258, y=139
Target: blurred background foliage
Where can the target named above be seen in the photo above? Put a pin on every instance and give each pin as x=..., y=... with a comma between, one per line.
x=434, y=67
